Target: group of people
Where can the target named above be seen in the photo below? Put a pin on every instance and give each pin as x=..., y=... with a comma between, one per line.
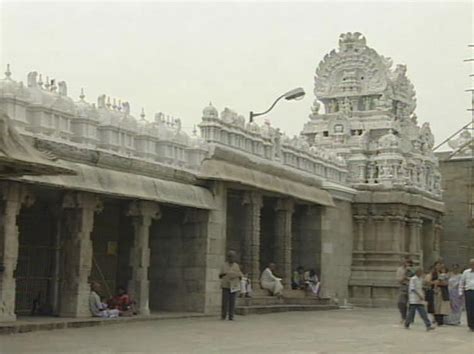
x=118, y=305
x=234, y=281
x=305, y=280
x=441, y=292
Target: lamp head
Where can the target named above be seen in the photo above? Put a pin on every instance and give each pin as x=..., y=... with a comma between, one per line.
x=295, y=94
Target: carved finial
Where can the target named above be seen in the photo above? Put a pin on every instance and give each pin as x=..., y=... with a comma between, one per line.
x=8, y=73
x=53, y=85
x=119, y=106
x=142, y=114
x=194, y=130
x=108, y=102
x=114, y=105
x=40, y=81
x=82, y=96
x=46, y=85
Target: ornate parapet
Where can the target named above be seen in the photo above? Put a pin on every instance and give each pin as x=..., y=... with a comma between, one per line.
x=44, y=110
x=270, y=144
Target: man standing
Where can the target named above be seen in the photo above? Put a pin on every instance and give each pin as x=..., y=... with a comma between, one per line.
x=466, y=286
x=404, y=273
x=230, y=276
x=416, y=301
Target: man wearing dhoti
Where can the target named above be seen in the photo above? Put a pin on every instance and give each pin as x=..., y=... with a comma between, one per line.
x=270, y=282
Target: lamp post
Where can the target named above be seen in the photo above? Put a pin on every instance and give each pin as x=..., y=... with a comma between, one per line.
x=295, y=94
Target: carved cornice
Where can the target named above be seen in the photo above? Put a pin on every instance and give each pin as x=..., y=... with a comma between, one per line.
x=81, y=200
x=144, y=208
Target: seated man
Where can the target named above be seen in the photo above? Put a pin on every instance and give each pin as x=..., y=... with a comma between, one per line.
x=97, y=308
x=245, y=286
x=298, y=281
x=122, y=302
x=312, y=282
x=270, y=282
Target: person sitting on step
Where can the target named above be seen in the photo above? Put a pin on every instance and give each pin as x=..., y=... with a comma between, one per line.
x=245, y=286
x=298, y=281
x=97, y=307
x=312, y=282
x=270, y=282
x=122, y=302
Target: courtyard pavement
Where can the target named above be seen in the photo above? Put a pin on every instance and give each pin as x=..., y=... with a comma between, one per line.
x=338, y=331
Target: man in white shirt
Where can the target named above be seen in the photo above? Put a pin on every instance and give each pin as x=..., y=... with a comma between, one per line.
x=97, y=308
x=230, y=276
x=416, y=300
x=466, y=287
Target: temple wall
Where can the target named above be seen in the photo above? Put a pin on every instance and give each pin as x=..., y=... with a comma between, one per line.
x=336, y=243
x=214, y=232
x=457, y=244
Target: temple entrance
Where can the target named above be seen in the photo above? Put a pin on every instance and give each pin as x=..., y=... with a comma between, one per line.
x=306, y=238
x=267, y=233
x=177, y=265
x=37, y=272
x=112, y=238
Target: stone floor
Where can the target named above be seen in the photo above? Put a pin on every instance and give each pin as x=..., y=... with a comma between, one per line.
x=340, y=331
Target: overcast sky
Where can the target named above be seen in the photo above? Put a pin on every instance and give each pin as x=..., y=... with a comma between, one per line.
x=176, y=57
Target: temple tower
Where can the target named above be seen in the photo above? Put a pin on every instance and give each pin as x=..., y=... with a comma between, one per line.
x=369, y=119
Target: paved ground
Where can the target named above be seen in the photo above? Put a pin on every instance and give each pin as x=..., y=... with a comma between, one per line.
x=341, y=331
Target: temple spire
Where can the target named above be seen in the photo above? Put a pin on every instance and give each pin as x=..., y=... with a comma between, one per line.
x=82, y=96
x=142, y=114
x=40, y=81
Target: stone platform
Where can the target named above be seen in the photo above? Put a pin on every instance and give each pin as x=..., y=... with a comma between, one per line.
x=262, y=303
x=44, y=323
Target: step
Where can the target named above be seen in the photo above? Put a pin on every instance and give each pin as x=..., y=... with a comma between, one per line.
x=247, y=310
x=272, y=300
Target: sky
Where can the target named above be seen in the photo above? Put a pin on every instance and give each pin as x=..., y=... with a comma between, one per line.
x=177, y=57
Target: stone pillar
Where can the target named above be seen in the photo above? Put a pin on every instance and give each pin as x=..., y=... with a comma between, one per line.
x=79, y=210
x=360, y=221
x=398, y=239
x=414, y=229
x=379, y=223
x=252, y=202
x=282, y=256
x=12, y=197
x=143, y=213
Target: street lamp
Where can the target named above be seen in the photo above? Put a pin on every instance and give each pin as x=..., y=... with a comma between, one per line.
x=295, y=94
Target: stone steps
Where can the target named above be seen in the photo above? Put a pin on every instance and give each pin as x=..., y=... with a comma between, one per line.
x=271, y=300
x=265, y=309
x=291, y=301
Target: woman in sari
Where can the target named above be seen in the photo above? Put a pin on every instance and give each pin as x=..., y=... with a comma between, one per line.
x=442, y=306
x=456, y=301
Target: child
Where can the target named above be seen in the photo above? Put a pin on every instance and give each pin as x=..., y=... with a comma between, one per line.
x=416, y=301
x=245, y=286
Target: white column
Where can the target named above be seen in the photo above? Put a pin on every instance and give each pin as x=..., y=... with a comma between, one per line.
x=143, y=214
x=79, y=210
x=252, y=203
x=12, y=197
